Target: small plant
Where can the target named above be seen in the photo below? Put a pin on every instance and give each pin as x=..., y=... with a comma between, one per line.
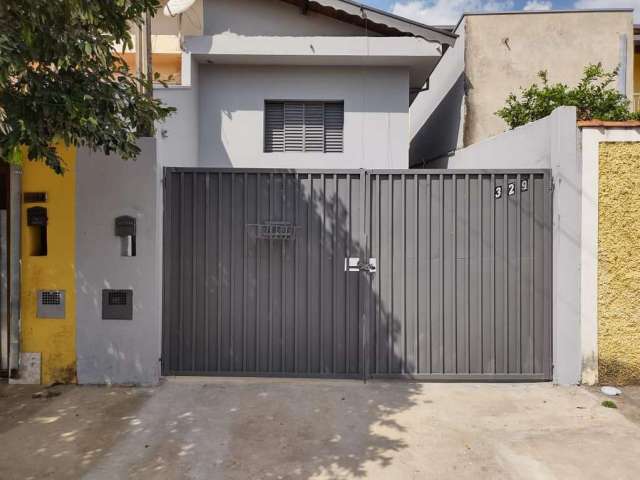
x=609, y=404
x=594, y=98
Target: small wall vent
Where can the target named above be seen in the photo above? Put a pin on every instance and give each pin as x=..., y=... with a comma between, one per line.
x=117, y=304
x=51, y=304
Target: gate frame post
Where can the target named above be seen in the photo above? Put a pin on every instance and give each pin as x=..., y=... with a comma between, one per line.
x=364, y=277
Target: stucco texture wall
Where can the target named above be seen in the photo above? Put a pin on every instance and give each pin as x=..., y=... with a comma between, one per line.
x=619, y=263
x=54, y=339
x=505, y=52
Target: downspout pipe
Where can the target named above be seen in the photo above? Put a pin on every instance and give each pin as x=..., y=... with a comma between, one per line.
x=622, y=64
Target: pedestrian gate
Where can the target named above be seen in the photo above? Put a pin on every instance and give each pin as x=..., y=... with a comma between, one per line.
x=433, y=274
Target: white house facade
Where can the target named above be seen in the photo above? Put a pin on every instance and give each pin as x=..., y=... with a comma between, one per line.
x=300, y=58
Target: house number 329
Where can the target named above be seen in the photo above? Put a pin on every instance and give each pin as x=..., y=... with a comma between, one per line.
x=511, y=189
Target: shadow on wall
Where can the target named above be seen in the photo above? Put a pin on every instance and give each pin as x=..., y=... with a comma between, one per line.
x=238, y=303
x=272, y=18
x=112, y=359
x=439, y=135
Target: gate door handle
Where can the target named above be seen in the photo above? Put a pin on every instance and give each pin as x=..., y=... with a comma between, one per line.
x=353, y=264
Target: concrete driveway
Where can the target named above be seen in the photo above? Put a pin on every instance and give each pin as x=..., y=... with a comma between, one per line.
x=279, y=429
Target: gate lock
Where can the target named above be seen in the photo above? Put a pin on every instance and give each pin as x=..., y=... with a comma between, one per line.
x=353, y=264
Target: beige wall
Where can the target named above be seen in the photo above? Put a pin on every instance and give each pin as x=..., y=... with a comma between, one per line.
x=504, y=52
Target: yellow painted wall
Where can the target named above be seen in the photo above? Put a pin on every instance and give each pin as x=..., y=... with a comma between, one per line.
x=619, y=263
x=53, y=338
x=167, y=65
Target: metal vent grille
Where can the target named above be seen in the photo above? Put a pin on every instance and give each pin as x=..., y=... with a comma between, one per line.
x=51, y=298
x=117, y=304
x=303, y=126
x=50, y=304
x=118, y=297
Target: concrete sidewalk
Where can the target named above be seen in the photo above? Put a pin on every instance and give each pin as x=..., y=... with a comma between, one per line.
x=281, y=429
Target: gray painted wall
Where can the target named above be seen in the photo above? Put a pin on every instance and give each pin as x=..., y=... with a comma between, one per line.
x=118, y=351
x=178, y=135
x=437, y=113
x=376, y=121
x=269, y=18
x=548, y=143
x=524, y=147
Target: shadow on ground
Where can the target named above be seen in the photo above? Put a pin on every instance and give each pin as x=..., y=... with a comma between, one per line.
x=316, y=429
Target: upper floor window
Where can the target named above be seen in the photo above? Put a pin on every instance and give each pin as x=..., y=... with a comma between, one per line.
x=303, y=126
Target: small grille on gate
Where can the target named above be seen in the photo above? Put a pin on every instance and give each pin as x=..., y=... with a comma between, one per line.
x=272, y=230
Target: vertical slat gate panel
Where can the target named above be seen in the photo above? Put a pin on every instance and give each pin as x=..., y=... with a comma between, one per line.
x=463, y=264
x=249, y=305
x=462, y=290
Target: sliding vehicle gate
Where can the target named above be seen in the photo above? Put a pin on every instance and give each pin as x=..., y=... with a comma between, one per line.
x=433, y=274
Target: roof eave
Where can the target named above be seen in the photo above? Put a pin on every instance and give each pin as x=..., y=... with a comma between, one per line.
x=367, y=14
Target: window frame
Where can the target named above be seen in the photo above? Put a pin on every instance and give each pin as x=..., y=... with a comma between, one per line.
x=303, y=141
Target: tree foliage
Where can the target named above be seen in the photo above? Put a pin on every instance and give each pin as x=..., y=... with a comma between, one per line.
x=594, y=98
x=61, y=78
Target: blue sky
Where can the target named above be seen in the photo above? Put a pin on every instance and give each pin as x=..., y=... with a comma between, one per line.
x=442, y=12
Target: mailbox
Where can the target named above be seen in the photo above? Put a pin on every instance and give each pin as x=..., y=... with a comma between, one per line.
x=37, y=221
x=125, y=228
x=37, y=217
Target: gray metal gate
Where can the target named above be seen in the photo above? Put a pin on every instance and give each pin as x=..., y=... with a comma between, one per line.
x=255, y=280
x=464, y=283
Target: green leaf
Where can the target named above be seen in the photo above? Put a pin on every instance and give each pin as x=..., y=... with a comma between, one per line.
x=15, y=156
x=593, y=97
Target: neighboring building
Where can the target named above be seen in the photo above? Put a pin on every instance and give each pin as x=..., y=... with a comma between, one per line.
x=497, y=54
x=166, y=36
